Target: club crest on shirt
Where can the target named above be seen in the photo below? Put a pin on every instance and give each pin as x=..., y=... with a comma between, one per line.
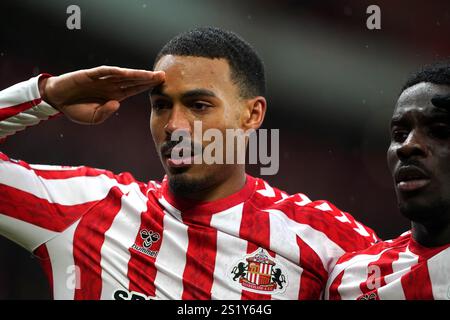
x=148, y=237
x=259, y=272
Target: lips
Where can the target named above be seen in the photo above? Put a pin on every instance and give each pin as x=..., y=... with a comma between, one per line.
x=411, y=178
x=183, y=160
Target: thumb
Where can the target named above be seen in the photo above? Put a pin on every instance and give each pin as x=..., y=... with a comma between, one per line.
x=104, y=111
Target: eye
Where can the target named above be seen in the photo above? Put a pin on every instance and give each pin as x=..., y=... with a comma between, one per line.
x=200, y=105
x=440, y=131
x=159, y=104
x=399, y=134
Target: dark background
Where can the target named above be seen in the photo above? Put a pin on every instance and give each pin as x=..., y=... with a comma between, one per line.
x=332, y=86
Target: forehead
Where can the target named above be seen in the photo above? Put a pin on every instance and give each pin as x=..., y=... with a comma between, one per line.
x=184, y=73
x=417, y=99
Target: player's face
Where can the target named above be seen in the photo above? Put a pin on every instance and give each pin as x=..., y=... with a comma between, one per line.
x=199, y=90
x=419, y=154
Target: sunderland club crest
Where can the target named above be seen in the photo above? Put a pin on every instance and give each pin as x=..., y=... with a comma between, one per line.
x=258, y=272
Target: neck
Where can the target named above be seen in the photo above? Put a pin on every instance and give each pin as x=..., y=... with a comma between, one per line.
x=219, y=189
x=431, y=235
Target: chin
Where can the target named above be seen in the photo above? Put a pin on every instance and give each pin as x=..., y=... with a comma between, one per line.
x=187, y=182
x=423, y=210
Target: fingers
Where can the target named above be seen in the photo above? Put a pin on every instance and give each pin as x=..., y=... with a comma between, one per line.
x=123, y=83
x=131, y=91
x=117, y=74
x=104, y=111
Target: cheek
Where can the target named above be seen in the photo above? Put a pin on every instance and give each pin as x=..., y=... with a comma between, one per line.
x=391, y=157
x=155, y=129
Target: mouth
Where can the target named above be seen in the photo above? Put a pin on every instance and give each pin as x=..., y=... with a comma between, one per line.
x=411, y=178
x=177, y=157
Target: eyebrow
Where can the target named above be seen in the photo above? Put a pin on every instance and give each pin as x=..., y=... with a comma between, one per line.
x=396, y=120
x=188, y=94
x=441, y=102
x=436, y=114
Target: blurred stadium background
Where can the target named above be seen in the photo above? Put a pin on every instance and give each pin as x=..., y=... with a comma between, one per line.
x=332, y=86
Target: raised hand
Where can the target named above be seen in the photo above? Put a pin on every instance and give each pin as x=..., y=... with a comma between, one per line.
x=90, y=96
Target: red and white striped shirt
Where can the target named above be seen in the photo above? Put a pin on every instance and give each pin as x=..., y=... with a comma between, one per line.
x=107, y=236
x=396, y=270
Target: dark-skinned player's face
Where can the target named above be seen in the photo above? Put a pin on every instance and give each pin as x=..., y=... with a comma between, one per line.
x=196, y=89
x=419, y=153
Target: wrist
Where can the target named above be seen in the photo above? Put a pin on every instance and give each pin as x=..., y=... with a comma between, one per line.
x=44, y=84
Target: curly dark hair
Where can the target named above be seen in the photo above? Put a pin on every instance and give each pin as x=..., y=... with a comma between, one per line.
x=437, y=73
x=246, y=67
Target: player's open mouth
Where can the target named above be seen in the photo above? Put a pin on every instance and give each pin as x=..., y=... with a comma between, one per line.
x=411, y=178
x=174, y=160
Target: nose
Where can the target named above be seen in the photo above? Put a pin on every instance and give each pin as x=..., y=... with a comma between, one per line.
x=414, y=145
x=178, y=120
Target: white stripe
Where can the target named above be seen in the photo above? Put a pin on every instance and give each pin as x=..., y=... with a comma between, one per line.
x=23, y=92
x=25, y=119
x=392, y=291
x=283, y=241
x=268, y=192
x=171, y=260
x=229, y=245
x=46, y=167
x=60, y=251
x=326, y=249
x=263, y=268
x=70, y=191
x=439, y=270
x=170, y=209
x=305, y=200
x=355, y=273
x=23, y=233
x=20, y=93
x=119, y=237
x=402, y=265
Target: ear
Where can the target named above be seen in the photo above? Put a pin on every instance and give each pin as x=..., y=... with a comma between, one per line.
x=253, y=116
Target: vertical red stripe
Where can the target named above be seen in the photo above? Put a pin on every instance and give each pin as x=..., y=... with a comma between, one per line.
x=417, y=283
x=314, y=276
x=88, y=240
x=198, y=274
x=333, y=290
x=141, y=267
x=255, y=228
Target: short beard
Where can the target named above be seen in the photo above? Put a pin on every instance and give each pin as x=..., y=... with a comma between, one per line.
x=181, y=185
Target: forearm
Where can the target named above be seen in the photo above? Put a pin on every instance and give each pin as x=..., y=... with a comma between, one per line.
x=22, y=105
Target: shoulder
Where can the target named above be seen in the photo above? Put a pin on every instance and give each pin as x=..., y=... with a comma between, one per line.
x=322, y=216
